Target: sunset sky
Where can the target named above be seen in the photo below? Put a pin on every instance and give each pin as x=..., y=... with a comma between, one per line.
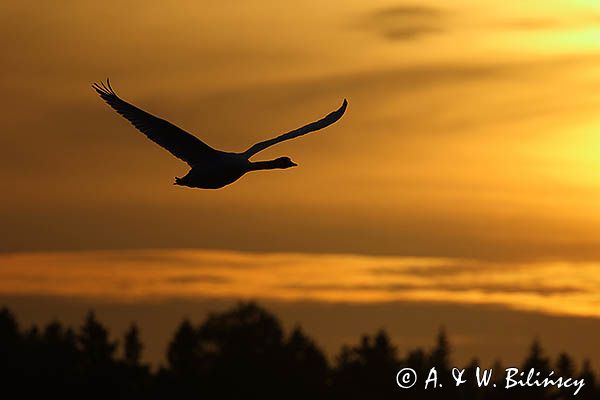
x=463, y=182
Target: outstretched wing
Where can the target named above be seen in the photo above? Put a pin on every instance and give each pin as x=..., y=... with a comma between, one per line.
x=314, y=126
x=178, y=142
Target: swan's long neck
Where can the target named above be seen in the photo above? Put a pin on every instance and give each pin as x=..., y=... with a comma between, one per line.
x=258, y=165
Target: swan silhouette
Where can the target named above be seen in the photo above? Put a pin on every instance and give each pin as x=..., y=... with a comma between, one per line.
x=210, y=168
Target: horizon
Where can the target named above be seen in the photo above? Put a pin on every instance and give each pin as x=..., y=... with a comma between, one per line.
x=409, y=297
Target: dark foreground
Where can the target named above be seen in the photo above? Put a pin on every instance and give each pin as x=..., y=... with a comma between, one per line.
x=244, y=353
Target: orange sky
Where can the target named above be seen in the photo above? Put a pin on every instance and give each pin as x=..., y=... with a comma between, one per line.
x=471, y=134
x=471, y=130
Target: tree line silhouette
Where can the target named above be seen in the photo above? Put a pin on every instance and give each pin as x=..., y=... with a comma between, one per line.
x=245, y=353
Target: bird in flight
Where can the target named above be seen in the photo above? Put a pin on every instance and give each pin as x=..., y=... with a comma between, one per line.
x=210, y=168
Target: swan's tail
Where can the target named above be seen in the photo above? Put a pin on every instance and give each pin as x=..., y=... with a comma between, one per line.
x=178, y=181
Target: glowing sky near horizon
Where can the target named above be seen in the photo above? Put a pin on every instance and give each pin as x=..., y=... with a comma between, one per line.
x=555, y=288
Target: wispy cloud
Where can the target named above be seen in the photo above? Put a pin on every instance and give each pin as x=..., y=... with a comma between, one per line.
x=405, y=22
x=413, y=11
x=414, y=21
x=441, y=287
x=554, y=288
x=200, y=278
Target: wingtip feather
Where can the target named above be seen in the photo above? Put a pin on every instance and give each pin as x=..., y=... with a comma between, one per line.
x=110, y=87
x=104, y=89
x=340, y=111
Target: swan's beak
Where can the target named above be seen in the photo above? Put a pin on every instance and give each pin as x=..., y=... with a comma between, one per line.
x=294, y=164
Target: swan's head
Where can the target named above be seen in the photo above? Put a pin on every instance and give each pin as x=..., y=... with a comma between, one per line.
x=285, y=162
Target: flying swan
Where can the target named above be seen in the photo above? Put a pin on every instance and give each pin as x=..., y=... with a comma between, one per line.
x=210, y=168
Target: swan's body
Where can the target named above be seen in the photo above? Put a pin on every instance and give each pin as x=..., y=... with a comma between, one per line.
x=210, y=168
x=227, y=168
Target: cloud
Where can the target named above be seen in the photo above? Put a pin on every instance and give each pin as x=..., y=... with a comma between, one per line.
x=410, y=22
x=425, y=271
x=470, y=268
x=190, y=279
x=406, y=22
x=147, y=257
x=492, y=288
x=409, y=33
x=509, y=289
x=408, y=11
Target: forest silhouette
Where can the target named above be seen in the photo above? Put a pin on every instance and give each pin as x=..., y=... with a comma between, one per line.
x=244, y=352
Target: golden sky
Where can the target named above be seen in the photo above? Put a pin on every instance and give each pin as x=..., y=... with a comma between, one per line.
x=472, y=138
x=471, y=130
